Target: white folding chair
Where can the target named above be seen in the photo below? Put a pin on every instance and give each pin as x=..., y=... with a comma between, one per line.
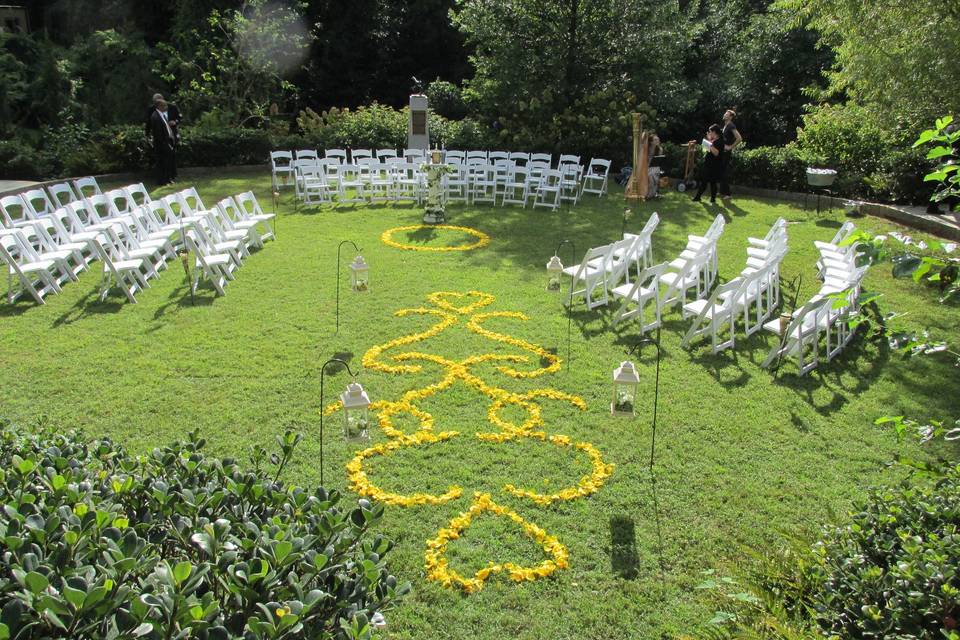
x=480, y=156
x=251, y=211
x=548, y=190
x=62, y=194
x=596, y=177
x=520, y=157
x=383, y=154
x=87, y=187
x=569, y=182
x=544, y=158
x=591, y=274
x=138, y=194
x=281, y=168
x=217, y=268
x=314, y=188
x=515, y=187
x=34, y=275
x=454, y=156
x=380, y=182
x=340, y=155
x=416, y=156
x=483, y=187
x=456, y=184
x=494, y=156
x=356, y=155
x=305, y=154
x=635, y=297
x=119, y=267
x=408, y=181
x=801, y=337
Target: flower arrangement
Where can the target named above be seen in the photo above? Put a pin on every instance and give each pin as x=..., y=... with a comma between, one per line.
x=448, y=309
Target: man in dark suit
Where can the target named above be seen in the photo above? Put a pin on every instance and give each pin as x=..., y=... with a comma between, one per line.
x=164, y=143
x=173, y=119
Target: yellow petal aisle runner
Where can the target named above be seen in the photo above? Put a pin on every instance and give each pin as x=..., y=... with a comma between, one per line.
x=450, y=308
x=482, y=239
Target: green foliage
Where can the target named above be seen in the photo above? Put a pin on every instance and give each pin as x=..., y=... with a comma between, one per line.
x=574, y=89
x=898, y=60
x=236, y=60
x=176, y=544
x=112, y=77
x=892, y=572
x=770, y=167
x=20, y=160
x=945, y=140
x=446, y=99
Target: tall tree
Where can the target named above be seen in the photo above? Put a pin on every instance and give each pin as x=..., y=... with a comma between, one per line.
x=898, y=58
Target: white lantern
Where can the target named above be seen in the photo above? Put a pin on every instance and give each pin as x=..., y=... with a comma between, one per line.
x=359, y=274
x=625, y=383
x=435, y=156
x=554, y=273
x=355, y=411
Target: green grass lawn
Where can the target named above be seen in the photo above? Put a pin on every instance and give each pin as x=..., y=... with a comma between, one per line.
x=743, y=457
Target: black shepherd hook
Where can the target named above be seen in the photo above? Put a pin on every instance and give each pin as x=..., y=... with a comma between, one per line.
x=340, y=246
x=573, y=259
x=656, y=388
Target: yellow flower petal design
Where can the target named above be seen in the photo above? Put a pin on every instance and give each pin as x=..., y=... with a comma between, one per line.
x=438, y=568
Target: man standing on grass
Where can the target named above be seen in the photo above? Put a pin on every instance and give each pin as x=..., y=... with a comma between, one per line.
x=731, y=138
x=163, y=143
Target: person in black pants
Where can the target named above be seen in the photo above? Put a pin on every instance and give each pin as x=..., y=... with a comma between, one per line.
x=173, y=119
x=731, y=138
x=712, y=169
x=163, y=143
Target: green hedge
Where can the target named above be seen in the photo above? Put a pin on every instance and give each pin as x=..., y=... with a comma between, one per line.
x=896, y=176
x=888, y=173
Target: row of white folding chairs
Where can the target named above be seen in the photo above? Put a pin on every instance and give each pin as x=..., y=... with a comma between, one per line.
x=319, y=181
x=669, y=282
x=68, y=238
x=20, y=209
x=753, y=296
x=824, y=320
x=284, y=164
x=600, y=272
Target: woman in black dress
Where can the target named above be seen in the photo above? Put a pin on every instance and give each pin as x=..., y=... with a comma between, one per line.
x=712, y=169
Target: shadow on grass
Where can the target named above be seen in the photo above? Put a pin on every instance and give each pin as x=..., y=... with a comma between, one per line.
x=849, y=374
x=85, y=307
x=624, y=560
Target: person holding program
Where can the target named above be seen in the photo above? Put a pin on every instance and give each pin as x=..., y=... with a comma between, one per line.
x=712, y=170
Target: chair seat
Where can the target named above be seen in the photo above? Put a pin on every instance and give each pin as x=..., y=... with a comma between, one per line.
x=126, y=265
x=217, y=259
x=643, y=293
x=41, y=265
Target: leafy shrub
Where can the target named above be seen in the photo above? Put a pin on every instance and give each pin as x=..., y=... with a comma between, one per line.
x=778, y=168
x=101, y=544
x=20, y=160
x=446, y=100
x=893, y=571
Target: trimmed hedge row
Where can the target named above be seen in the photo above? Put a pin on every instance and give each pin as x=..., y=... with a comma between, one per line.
x=896, y=176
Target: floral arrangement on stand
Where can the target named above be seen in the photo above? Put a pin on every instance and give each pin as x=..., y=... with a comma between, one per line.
x=435, y=210
x=449, y=308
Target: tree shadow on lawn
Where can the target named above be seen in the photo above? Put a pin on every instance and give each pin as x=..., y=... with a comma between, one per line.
x=528, y=238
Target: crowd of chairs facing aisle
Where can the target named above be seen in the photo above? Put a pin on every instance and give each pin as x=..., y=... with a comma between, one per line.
x=493, y=177
x=51, y=235
x=623, y=272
